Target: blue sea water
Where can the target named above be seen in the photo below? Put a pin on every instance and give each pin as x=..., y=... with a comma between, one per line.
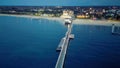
x=29, y=43
x=93, y=47
x=32, y=43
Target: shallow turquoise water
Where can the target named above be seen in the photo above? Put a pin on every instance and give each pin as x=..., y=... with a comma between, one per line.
x=32, y=43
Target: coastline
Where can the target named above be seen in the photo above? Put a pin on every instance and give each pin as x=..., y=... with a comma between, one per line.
x=76, y=21
x=31, y=16
x=96, y=22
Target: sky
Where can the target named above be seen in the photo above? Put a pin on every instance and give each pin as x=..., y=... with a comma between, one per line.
x=59, y=2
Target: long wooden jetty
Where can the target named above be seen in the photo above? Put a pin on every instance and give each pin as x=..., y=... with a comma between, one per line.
x=63, y=47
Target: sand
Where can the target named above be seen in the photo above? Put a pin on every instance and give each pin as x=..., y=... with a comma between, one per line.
x=75, y=22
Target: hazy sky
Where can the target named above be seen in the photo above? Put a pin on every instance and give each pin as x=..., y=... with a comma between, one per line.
x=61, y=2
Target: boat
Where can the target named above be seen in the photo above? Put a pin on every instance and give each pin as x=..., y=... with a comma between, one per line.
x=61, y=44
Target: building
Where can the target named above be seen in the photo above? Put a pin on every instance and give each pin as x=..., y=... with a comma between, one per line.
x=67, y=14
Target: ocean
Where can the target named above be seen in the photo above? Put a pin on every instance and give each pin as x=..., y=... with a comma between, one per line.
x=32, y=43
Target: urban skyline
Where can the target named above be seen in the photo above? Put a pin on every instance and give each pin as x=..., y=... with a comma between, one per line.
x=86, y=12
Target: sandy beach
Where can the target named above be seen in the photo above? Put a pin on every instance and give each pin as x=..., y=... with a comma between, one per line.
x=96, y=22
x=76, y=21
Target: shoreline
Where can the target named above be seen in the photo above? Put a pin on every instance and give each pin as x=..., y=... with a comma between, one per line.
x=34, y=17
x=29, y=16
x=76, y=21
x=96, y=22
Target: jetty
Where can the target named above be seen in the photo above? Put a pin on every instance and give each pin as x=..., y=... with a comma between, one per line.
x=115, y=30
x=62, y=47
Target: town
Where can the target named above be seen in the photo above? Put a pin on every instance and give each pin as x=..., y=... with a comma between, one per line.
x=80, y=12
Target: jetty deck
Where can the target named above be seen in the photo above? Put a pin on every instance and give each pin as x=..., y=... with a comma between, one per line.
x=61, y=58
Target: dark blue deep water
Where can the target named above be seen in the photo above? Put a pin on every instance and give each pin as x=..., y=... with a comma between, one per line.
x=93, y=47
x=32, y=43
